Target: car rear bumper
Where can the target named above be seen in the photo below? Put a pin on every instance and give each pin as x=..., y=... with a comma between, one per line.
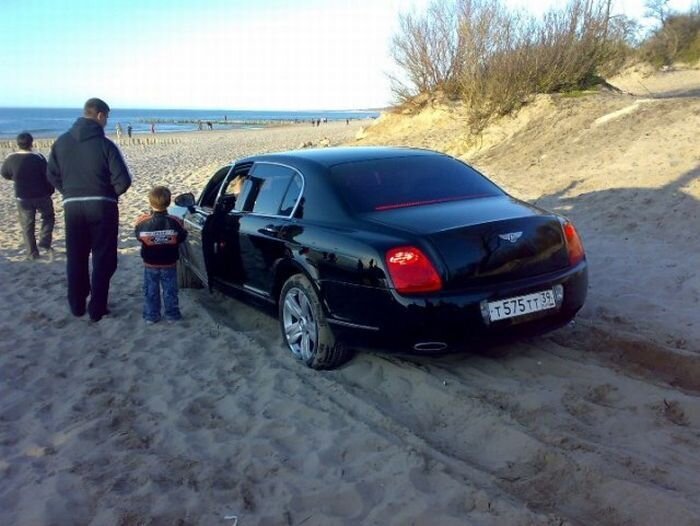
x=379, y=317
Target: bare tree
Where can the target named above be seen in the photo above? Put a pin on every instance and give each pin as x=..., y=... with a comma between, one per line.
x=658, y=9
x=426, y=49
x=495, y=59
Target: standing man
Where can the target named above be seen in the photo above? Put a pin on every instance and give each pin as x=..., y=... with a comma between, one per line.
x=89, y=171
x=33, y=192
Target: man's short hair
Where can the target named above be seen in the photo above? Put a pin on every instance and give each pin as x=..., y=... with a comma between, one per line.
x=25, y=140
x=159, y=198
x=94, y=106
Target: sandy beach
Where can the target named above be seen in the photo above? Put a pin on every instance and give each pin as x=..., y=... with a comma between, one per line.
x=211, y=422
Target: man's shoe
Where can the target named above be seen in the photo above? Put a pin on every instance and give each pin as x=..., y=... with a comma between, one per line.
x=33, y=256
x=50, y=253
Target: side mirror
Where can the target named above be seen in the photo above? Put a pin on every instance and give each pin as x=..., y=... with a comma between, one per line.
x=185, y=201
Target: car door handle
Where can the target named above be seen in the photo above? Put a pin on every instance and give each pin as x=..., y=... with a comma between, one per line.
x=271, y=230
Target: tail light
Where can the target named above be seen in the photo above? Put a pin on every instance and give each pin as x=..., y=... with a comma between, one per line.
x=573, y=244
x=412, y=271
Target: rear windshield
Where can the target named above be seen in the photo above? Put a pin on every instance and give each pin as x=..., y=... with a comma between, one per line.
x=387, y=184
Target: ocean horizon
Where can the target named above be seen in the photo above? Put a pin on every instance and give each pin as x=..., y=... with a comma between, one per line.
x=51, y=122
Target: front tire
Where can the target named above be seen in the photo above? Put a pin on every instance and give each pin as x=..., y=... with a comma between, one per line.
x=304, y=327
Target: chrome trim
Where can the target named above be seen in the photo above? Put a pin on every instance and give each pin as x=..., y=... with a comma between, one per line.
x=256, y=291
x=202, y=278
x=192, y=223
x=188, y=264
x=430, y=346
x=352, y=325
x=223, y=183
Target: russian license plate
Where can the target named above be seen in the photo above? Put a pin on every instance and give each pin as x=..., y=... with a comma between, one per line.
x=521, y=305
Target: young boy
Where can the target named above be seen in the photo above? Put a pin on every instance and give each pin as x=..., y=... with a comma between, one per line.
x=160, y=234
x=27, y=169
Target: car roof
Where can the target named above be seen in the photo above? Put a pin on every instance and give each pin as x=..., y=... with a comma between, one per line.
x=339, y=155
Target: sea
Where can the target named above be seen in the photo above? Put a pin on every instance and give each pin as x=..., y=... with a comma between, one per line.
x=51, y=122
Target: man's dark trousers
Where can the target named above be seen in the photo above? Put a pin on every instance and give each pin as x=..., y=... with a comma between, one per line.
x=27, y=209
x=92, y=226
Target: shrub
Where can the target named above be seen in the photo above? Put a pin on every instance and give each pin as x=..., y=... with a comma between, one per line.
x=494, y=58
x=677, y=39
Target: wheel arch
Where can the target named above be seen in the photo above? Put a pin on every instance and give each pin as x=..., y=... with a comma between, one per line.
x=285, y=269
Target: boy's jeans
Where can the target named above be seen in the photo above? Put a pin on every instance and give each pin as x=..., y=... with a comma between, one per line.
x=153, y=280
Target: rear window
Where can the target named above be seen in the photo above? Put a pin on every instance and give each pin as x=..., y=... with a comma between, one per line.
x=387, y=184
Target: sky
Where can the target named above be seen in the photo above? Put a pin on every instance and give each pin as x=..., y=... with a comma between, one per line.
x=209, y=54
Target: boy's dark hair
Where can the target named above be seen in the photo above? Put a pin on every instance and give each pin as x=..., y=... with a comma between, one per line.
x=159, y=198
x=94, y=106
x=25, y=140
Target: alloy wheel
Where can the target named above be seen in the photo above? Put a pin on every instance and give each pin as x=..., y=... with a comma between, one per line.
x=299, y=322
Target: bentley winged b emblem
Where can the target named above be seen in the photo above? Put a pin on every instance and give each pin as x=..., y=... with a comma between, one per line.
x=511, y=236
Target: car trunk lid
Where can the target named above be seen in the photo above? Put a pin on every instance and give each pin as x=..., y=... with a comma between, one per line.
x=485, y=240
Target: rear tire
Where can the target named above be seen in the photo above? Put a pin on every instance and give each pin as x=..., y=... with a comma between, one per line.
x=305, y=330
x=186, y=279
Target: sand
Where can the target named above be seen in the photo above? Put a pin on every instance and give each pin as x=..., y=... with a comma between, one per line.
x=210, y=421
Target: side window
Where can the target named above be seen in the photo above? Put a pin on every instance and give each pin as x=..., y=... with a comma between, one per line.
x=228, y=197
x=265, y=188
x=291, y=197
x=206, y=200
x=234, y=182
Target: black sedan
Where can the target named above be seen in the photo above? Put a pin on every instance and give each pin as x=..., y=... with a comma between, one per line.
x=399, y=248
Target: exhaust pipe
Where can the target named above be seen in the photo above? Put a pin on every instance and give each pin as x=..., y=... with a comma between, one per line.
x=430, y=346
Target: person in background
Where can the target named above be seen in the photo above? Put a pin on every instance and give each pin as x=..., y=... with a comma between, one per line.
x=129, y=129
x=89, y=171
x=160, y=235
x=27, y=169
x=153, y=127
x=119, y=131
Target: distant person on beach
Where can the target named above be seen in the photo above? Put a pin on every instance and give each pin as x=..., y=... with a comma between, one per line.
x=129, y=129
x=199, y=125
x=89, y=171
x=27, y=169
x=209, y=125
x=160, y=235
x=153, y=127
x=119, y=131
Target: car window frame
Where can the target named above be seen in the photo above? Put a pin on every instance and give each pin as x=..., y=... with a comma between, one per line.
x=236, y=167
x=209, y=209
x=299, y=197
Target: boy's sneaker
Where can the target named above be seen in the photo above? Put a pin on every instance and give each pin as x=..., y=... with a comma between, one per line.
x=151, y=322
x=50, y=253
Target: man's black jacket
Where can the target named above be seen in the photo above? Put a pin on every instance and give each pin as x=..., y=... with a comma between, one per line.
x=28, y=171
x=86, y=164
